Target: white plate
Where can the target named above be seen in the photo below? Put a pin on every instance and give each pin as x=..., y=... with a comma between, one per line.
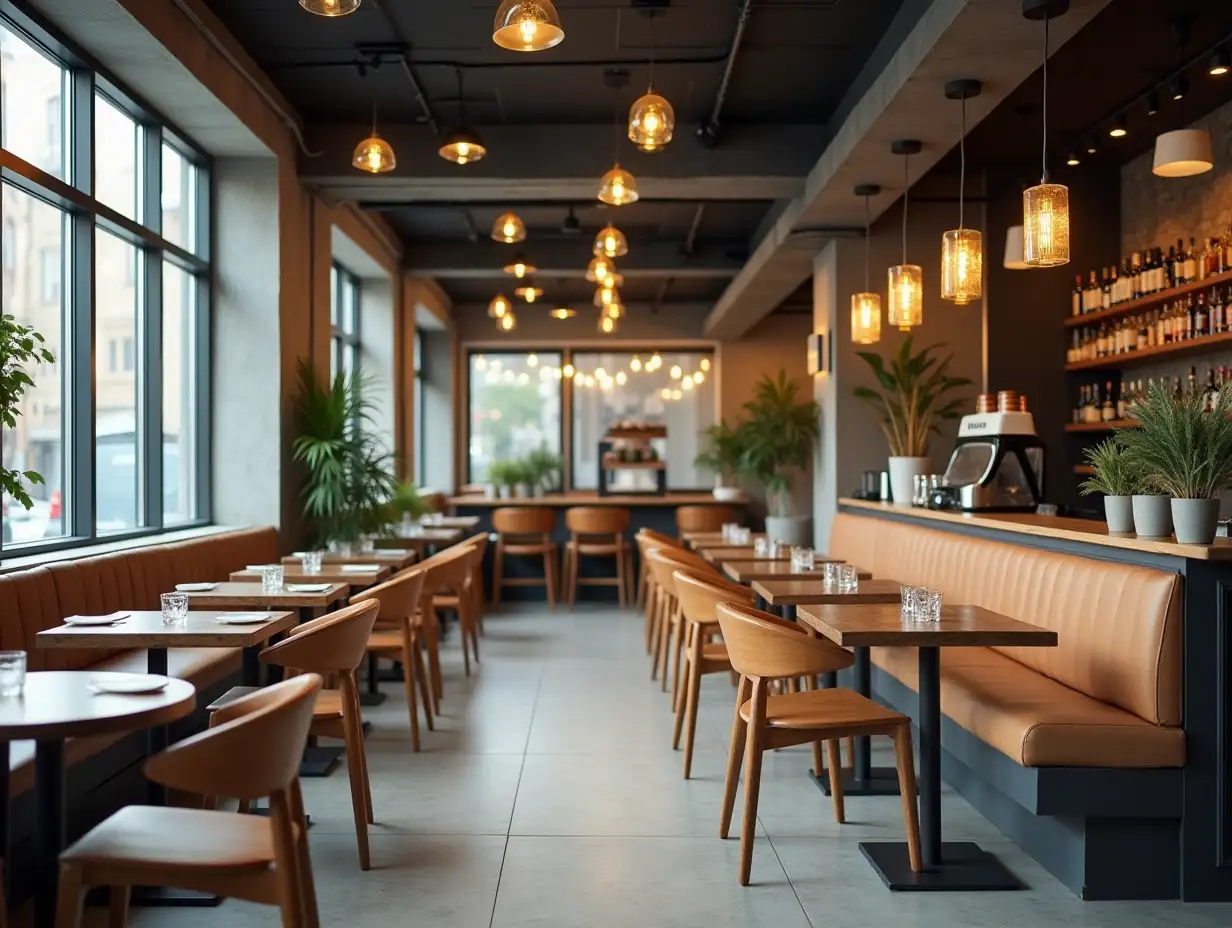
x=195, y=587
x=308, y=587
x=259, y=567
x=360, y=568
x=96, y=619
x=128, y=684
x=242, y=618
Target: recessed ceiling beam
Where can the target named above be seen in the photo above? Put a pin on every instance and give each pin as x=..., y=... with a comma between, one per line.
x=486, y=260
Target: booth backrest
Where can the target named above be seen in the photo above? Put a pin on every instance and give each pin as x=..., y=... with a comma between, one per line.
x=39, y=598
x=1118, y=625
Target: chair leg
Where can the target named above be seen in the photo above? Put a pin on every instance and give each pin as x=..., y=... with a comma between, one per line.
x=70, y=898
x=549, y=577
x=462, y=623
x=498, y=571
x=693, y=697
x=836, y=780
x=303, y=857
x=651, y=615
x=117, y=907
x=906, y=786
x=352, y=730
x=432, y=643
x=667, y=608
x=678, y=709
x=363, y=748
x=622, y=593
x=641, y=582
x=735, y=756
x=408, y=683
x=568, y=583
x=656, y=631
x=421, y=679
x=677, y=690
x=752, y=780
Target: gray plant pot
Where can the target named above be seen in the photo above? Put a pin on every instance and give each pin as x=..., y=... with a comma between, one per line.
x=1119, y=511
x=1196, y=520
x=1152, y=516
x=791, y=530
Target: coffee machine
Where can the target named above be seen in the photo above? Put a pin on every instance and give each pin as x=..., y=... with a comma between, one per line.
x=998, y=461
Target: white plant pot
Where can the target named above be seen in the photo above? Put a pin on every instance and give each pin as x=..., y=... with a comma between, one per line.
x=727, y=494
x=1195, y=520
x=491, y=491
x=504, y=492
x=1152, y=515
x=1119, y=511
x=901, y=472
x=790, y=530
x=521, y=491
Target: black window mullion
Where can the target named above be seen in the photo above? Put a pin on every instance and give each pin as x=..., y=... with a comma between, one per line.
x=203, y=419
x=79, y=431
x=150, y=393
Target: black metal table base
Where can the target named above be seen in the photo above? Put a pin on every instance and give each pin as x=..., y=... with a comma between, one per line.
x=881, y=781
x=169, y=898
x=964, y=867
x=320, y=761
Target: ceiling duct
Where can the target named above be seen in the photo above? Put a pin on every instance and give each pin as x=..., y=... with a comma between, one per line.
x=708, y=132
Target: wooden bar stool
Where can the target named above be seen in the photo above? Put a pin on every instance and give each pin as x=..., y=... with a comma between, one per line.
x=525, y=531
x=764, y=648
x=597, y=531
x=253, y=751
x=703, y=519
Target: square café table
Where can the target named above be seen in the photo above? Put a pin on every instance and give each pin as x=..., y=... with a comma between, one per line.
x=952, y=865
x=394, y=558
x=701, y=541
x=330, y=573
x=747, y=571
x=248, y=595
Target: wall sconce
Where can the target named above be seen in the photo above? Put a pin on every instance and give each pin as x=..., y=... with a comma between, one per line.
x=818, y=360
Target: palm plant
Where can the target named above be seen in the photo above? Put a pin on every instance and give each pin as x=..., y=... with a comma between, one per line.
x=20, y=346
x=349, y=478
x=724, y=449
x=1182, y=444
x=914, y=387
x=1117, y=471
x=777, y=438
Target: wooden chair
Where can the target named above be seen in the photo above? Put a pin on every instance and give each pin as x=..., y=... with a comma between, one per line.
x=644, y=537
x=667, y=627
x=763, y=648
x=525, y=532
x=479, y=540
x=703, y=519
x=400, y=635
x=699, y=597
x=253, y=752
x=596, y=531
x=334, y=646
x=450, y=585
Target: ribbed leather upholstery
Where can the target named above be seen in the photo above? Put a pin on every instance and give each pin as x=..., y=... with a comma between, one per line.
x=1118, y=629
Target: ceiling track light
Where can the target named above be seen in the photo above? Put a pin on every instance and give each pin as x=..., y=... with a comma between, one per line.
x=1120, y=128
x=527, y=25
x=1152, y=103
x=1073, y=160
x=1180, y=87
x=1045, y=207
x=330, y=8
x=1220, y=64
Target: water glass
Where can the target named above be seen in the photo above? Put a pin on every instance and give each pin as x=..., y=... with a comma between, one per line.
x=742, y=535
x=848, y=579
x=342, y=548
x=928, y=606
x=731, y=531
x=774, y=548
x=271, y=578
x=175, y=608
x=761, y=547
x=908, y=599
x=829, y=576
x=311, y=561
x=801, y=559
x=12, y=673
x=367, y=544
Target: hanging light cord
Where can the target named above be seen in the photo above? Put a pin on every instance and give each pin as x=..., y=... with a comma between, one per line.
x=651, y=18
x=461, y=99
x=374, y=114
x=1044, y=157
x=962, y=162
x=868, y=234
x=906, y=202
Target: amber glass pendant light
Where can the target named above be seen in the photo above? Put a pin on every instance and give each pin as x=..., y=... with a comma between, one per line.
x=509, y=229
x=607, y=324
x=563, y=312
x=866, y=306
x=499, y=306
x=519, y=267
x=374, y=155
x=462, y=144
x=615, y=309
x=618, y=187
x=527, y=25
x=330, y=8
x=529, y=292
x=599, y=269
x=507, y=322
x=611, y=242
x=906, y=281
x=609, y=290
x=651, y=118
x=1045, y=207
x=962, y=249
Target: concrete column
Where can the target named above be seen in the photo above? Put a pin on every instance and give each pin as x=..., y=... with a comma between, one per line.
x=828, y=323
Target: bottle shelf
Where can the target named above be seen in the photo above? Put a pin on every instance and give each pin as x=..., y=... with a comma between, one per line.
x=1146, y=355
x=1149, y=301
x=1101, y=426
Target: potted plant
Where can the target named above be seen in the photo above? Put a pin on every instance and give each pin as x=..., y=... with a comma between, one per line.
x=1185, y=450
x=349, y=477
x=20, y=346
x=1118, y=478
x=777, y=440
x=544, y=469
x=724, y=448
x=503, y=474
x=911, y=402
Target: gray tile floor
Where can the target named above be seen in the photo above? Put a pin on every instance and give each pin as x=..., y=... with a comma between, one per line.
x=550, y=796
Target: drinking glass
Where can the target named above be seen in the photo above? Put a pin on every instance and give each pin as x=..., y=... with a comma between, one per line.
x=743, y=535
x=774, y=548
x=367, y=544
x=928, y=605
x=12, y=673
x=342, y=548
x=311, y=561
x=761, y=547
x=271, y=578
x=848, y=579
x=829, y=576
x=731, y=531
x=907, y=598
x=175, y=608
x=801, y=559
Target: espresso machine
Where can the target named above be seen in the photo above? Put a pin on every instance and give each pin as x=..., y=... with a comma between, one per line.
x=998, y=461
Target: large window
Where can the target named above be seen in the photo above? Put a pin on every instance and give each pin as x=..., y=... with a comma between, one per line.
x=514, y=409
x=421, y=412
x=344, y=321
x=105, y=253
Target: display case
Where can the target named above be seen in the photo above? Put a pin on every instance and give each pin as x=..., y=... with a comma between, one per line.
x=632, y=460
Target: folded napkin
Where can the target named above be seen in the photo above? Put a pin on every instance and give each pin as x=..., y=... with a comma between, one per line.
x=260, y=566
x=108, y=619
x=360, y=568
x=307, y=587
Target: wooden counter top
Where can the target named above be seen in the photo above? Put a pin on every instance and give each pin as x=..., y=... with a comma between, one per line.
x=1086, y=531
x=591, y=498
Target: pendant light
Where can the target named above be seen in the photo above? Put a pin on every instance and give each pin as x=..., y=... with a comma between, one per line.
x=330, y=8
x=509, y=229
x=615, y=309
x=1183, y=153
x=611, y=242
x=962, y=249
x=519, y=267
x=529, y=292
x=1013, y=260
x=507, y=322
x=599, y=269
x=374, y=155
x=906, y=281
x=866, y=306
x=563, y=312
x=609, y=290
x=461, y=144
x=1045, y=207
x=607, y=324
x=618, y=187
x=651, y=118
x=527, y=25
x=500, y=306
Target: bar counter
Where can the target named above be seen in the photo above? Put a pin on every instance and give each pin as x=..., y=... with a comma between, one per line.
x=591, y=498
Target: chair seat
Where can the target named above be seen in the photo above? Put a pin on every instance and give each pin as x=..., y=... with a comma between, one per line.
x=385, y=639
x=167, y=837
x=819, y=709
x=715, y=652
x=539, y=548
x=328, y=705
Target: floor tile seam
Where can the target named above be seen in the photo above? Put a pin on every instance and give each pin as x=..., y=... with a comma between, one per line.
x=786, y=874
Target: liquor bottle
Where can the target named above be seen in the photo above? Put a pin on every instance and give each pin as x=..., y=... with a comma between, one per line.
x=1211, y=390
x=1107, y=411
x=1191, y=261
x=1076, y=307
x=1169, y=280
x=1142, y=335
x=1135, y=276
x=1218, y=312
x=1202, y=319
x=1122, y=396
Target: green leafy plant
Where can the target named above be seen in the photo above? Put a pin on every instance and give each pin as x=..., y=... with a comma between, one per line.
x=543, y=467
x=1183, y=449
x=913, y=396
x=777, y=438
x=1117, y=472
x=724, y=449
x=349, y=480
x=504, y=473
x=20, y=346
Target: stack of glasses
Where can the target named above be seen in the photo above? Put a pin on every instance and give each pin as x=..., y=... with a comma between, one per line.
x=764, y=547
x=920, y=604
x=735, y=534
x=840, y=578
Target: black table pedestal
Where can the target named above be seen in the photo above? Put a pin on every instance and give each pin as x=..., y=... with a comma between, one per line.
x=49, y=828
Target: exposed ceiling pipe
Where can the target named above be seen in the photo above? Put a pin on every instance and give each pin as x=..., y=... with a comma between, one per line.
x=504, y=63
x=416, y=86
x=690, y=241
x=708, y=132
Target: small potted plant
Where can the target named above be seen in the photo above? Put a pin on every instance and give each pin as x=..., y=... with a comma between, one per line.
x=911, y=402
x=544, y=469
x=724, y=447
x=1117, y=477
x=503, y=474
x=1185, y=450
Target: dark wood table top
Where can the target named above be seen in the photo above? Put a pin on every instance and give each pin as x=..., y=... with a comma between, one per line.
x=463, y=522
x=702, y=541
x=332, y=573
x=60, y=704
x=394, y=558
x=765, y=569
x=429, y=535
x=146, y=630
x=722, y=553
x=960, y=626
x=806, y=589
x=245, y=594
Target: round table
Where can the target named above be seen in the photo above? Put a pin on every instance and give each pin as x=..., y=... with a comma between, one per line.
x=57, y=705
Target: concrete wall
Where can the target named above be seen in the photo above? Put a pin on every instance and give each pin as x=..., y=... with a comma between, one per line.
x=439, y=418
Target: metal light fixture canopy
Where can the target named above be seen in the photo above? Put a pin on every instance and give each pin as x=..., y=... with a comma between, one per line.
x=652, y=120
x=527, y=25
x=509, y=228
x=611, y=242
x=618, y=187
x=330, y=8
x=962, y=249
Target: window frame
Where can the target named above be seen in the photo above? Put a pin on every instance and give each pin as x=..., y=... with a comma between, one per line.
x=74, y=196
x=341, y=340
x=420, y=439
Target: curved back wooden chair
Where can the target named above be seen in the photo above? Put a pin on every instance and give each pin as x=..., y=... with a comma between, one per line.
x=400, y=636
x=763, y=648
x=668, y=629
x=253, y=751
x=479, y=540
x=524, y=531
x=597, y=531
x=646, y=539
x=699, y=596
x=703, y=519
x=450, y=585
x=334, y=646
